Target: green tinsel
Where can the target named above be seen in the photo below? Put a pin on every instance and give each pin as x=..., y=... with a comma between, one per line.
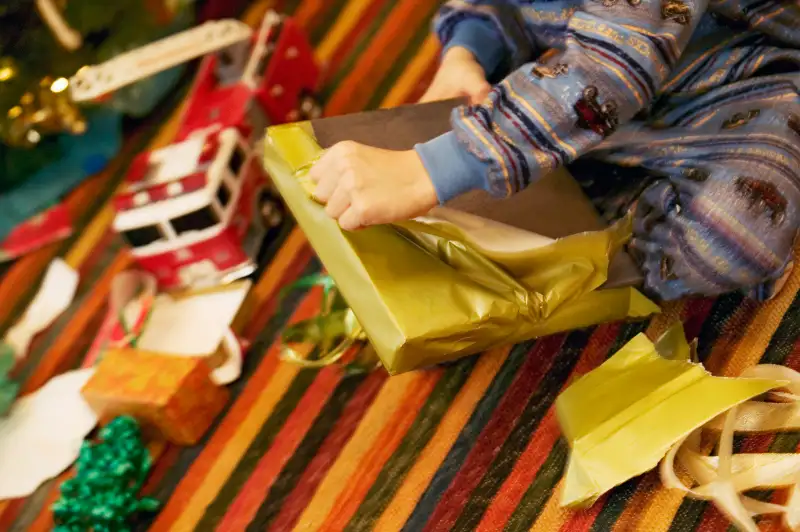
x=8, y=388
x=103, y=496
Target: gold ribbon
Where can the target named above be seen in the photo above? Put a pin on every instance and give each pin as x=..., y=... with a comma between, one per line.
x=333, y=332
x=724, y=478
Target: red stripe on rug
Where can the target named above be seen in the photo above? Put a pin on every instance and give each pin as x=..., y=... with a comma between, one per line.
x=161, y=468
x=296, y=501
x=495, y=432
x=582, y=520
x=541, y=443
x=697, y=314
x=251, y=495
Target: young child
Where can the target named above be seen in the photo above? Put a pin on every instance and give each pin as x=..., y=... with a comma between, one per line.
x=691, y=104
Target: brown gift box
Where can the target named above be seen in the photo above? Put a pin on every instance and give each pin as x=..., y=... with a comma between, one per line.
x=173, y=397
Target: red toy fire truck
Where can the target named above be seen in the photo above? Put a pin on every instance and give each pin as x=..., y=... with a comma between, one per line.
x=196, y=212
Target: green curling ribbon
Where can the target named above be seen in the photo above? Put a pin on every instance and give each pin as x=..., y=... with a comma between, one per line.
x=334, y=331
x=103, y=495
x=8, y=388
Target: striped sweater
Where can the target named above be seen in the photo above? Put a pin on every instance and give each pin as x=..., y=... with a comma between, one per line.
x=696, y=99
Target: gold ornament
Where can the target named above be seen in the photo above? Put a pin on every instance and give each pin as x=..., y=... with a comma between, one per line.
x=8, y=69
x=46, y=110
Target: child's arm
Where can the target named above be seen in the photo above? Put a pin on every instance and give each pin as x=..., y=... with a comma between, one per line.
x=479, y=43
x=617, y=55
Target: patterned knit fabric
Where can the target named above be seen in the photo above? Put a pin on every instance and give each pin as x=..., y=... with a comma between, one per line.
x=700, y=99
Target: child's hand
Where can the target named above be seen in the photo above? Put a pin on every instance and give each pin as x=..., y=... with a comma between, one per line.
x=363, y=186
x=459, y=75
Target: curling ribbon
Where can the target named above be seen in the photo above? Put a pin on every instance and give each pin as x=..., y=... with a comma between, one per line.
x=54, y=296
x=103, y=495
x=724, y=478
x=129, y=304
x=333, y=332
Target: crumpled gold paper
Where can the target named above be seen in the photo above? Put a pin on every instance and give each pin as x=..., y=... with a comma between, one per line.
x=451, y=284
x=623, y=417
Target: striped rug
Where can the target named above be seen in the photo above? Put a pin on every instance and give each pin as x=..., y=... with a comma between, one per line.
x=471, y=446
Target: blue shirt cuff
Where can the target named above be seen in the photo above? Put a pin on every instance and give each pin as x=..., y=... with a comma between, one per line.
x=480, y=38
x=452, y=169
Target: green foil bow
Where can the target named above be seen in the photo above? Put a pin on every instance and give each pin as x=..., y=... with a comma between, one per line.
x=103, y=496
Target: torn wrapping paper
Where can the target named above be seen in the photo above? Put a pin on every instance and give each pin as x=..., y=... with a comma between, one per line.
x=43, y=433
x=623, y=417
x=54, y=297
x=196, y=323
x=191, y=323
x=452, y=284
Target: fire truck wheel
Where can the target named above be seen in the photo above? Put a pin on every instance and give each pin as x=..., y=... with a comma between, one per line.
x=310, y=108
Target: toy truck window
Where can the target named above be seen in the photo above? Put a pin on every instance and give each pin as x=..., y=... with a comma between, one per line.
x=272, y=39
x=142, y=236
x=225, y=57
x=195, y=220
x=236, y=161
x=223, y=194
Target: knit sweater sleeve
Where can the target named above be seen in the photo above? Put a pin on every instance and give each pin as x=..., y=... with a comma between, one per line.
x=493, y=30
x=616, y=57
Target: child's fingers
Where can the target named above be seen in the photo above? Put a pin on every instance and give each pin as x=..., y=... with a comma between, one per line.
x=350, y=220
x=338, y=203
x=326, y=186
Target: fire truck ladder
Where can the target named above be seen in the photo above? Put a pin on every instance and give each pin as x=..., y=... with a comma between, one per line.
x=93, y=82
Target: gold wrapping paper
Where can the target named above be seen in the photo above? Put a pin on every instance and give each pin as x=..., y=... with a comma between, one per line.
x=623, y=417
x=451, y=284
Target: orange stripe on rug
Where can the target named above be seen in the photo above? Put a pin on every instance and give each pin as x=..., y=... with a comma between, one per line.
x=371, y=464
x=434, y=453
x=245, y=506
x=395, y=393
x=376, y=62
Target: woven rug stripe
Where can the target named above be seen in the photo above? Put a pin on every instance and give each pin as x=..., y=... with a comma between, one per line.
x=437, y=450
x=497, y=431
x=322, y=445
x=467, y=437
x=525, y=468
x=394, y=471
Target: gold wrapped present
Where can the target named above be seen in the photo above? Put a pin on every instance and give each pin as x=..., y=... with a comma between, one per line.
x=173, y=397
x=467, y=277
